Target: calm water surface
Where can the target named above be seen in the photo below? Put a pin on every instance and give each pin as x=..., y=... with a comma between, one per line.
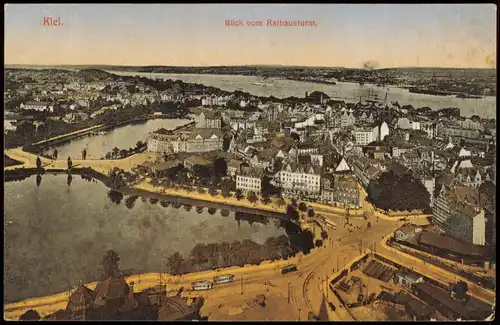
x=59, y=234
x=123, y=137
x=485, y=106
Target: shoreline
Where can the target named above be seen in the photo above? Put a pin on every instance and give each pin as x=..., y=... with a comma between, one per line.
x=53, y=302
x=61, y=139
x=146, y=189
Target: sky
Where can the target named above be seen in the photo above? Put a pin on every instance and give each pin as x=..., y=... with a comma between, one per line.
x=404, y=35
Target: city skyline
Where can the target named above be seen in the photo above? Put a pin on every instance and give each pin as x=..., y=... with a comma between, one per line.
x=461, y=36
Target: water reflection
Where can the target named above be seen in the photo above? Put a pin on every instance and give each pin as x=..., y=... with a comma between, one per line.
x=38, y=180
x=51, y=246
x=115, y=196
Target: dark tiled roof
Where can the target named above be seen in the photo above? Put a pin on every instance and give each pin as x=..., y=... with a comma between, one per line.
x=452, y=245
x=83, y=297
x=111, y=288
x=205, y=133
x=465, y=311
x=417, y=306
x=197, y=160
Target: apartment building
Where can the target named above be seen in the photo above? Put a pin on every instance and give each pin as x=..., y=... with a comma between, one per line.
x=457, y=213
x=250, y=179
x=300, y=180
x=208, y=120
x=197, y=140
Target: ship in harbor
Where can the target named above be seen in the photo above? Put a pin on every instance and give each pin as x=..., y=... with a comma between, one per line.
x=427, y=91
x=262, y=82
x=468, y=96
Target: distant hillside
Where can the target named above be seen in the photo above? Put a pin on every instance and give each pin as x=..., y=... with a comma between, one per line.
x=95, y=74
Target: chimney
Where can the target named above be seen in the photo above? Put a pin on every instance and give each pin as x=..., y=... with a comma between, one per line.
x=306, y=94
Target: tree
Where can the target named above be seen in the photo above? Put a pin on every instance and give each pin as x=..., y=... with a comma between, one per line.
x=220, y=167
x=199, y=210
x=165, y=204
x=54, y=155
x=212, y=211
x=310, y=213
x=38, y=163
x=70, y=163
x=84, y=154
x=252, y=197
x=226, y=142
x=224, y=212
x=324, y=235
x=110, y=263
x=115, y=152
x=201, y=190
x=398, y=192
x=280, y=201
x=175, y=263
x=265, y=199
x=226, y=192
x=302, y=207
x=292, y=213
x=318, y=243
x=130, y=201
x=212, y=191
x=294, y=202
x=268, y=188
x=115, y=196
x=122, y=153
x=369, y=225
x=239, y=194
x=460, y=290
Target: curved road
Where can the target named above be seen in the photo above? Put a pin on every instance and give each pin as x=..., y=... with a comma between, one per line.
x=306, y=288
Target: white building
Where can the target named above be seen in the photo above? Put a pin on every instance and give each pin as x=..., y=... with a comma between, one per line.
x=250, y=179
x=364, y=136
x=210, y=101
x=37, y=106
x=208, y=120
x=297, y=179
x=197, y=140
x=415, y=125
x=384, y=130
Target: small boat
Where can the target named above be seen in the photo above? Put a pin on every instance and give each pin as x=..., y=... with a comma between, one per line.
x=9, y=222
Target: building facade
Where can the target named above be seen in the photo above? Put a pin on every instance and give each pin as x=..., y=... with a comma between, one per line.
x=300, y=180
x=198, y=140
x=206, y=120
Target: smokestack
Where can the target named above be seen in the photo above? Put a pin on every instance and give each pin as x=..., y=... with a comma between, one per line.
x=306, y=94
